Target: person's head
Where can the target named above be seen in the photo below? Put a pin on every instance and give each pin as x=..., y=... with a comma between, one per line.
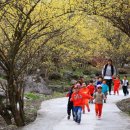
x=91, y=82
x=84, y=85
x=117, y=77
x=81, y=79
x=100, y=79
x=109, y=62
x=79, y=82
x=125, y=77
x=104, y=81
x=99, y=88
x=77, y=88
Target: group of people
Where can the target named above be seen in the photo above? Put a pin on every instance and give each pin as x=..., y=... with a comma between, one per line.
x=81, y=94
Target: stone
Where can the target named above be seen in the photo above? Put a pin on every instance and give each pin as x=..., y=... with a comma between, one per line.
x=35, y=83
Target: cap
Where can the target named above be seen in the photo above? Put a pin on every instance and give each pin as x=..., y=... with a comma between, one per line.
x=77, y=86
x=99, y=86
x=84, y=84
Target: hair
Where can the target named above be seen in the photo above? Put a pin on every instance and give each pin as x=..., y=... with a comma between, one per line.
x=125, y=76
x=110, y=60
x=104, y=80
x=118, y=76
x=81, y=77
x=91, y=81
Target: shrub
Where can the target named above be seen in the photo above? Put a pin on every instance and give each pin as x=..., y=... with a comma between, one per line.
x=122, y=71
x=55, y=76
x=32, y=96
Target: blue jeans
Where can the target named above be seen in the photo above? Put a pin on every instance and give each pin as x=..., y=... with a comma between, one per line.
x=77, y=114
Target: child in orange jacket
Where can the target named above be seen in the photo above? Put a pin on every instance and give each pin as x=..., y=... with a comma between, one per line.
x=85, y=90
x=78, y=100
x=117, y=84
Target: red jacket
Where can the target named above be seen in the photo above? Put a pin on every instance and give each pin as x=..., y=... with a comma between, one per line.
x=78, y=98
x=91, y=89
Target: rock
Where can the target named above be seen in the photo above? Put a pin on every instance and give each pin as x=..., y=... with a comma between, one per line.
x=35, y=83
x=55, y=76
x=57, y=88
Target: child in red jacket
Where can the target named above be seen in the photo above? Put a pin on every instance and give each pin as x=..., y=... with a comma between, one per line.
x=85, y=90
x=78, y=98
x=91, y=88
x=117, y=84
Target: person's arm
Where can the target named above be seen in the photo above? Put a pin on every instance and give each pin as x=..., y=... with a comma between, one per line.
x=87, y=96
x=127, y=83
x=103, y=71
x=72, y=98
x=115, y=71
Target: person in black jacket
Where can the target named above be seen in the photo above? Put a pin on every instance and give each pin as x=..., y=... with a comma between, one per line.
x=70, y=103
x=108, y=72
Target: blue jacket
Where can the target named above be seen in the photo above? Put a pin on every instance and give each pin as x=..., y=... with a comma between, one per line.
x=105, y=88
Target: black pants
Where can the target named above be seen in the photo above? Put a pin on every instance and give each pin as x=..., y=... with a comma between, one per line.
x=125, y=90
x=70, y=108
x=109, y=83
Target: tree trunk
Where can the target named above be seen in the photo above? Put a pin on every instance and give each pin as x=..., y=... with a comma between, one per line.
x=5, y=114
x=16, y=102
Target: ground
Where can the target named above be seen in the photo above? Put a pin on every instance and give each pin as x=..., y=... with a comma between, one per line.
x=52, y=116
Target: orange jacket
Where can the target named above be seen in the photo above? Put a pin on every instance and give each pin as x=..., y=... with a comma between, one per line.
x=78, y=98
x=91, y=88
x=85, y=90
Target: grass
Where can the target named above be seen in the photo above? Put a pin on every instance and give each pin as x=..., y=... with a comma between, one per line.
x=122, y=75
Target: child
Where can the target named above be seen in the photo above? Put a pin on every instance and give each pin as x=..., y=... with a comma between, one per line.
x=85, y=90
x=70, y=103
x=77, y=98
x=116, y=84
x=125, y=84
x=99, y=82
x=99, y=97
x=91, y=88
x=105, y=89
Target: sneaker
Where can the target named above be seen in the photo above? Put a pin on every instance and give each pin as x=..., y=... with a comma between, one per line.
x=88, y=110
x=99, y=117
x=78, y=122
x=68, y=117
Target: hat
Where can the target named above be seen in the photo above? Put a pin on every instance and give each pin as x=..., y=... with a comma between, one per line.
x=77, y=86
x=99, y=86
x=84, y=84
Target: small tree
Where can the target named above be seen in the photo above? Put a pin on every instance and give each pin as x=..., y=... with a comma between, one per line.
x=25, y=27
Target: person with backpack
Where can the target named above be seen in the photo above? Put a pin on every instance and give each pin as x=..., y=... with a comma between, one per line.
x=108, y=72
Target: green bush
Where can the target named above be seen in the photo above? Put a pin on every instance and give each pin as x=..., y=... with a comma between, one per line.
x=32, y=96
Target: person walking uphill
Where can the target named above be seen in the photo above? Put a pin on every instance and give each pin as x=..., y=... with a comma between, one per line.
x=108, y=72
x=78, y=100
